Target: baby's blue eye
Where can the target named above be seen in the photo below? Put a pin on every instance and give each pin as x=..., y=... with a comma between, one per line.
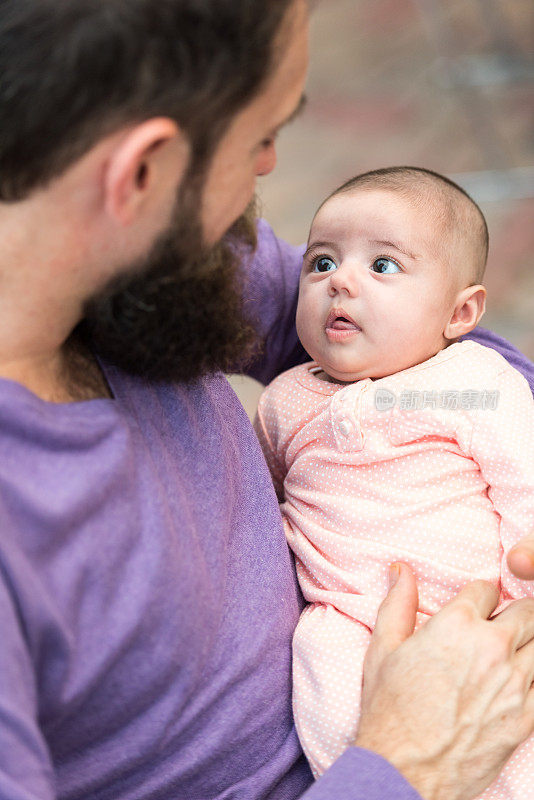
x=323, y=264
x=385, y=266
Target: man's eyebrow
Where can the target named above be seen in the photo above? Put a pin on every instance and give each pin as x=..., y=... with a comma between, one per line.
x=396, y=246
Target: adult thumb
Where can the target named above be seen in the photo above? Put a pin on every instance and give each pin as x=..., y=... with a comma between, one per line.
x=397, y=613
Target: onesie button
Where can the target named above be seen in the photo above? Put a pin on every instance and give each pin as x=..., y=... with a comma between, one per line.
x=345, y=426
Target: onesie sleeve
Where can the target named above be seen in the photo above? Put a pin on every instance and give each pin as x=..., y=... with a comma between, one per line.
x=503, y=446
x=266, y=425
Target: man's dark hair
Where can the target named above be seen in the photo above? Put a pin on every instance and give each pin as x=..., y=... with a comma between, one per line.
x=73, y=71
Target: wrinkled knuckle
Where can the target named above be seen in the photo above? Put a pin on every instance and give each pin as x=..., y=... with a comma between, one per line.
x=500, y=645
x=482, y=590
x=504, y=640
x=493, y=652
x=482, y=587
x=388, y=601
x=464, y=613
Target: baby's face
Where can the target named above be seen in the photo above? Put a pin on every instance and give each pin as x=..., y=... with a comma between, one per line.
x=376, y=291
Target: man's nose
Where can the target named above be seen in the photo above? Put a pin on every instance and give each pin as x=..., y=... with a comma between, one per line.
x=266, y=160
x=344, y=279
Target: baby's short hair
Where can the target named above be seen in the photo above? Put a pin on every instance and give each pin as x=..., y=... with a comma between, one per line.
x=453, y=206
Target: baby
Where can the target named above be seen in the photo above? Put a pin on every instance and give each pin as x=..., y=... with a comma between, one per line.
x=398, y=442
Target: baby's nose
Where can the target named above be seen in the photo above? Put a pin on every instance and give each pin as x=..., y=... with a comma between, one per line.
x=344, y=279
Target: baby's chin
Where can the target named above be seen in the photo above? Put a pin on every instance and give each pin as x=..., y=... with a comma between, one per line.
x=341, y=366
x=336, y=376
x=351, y=374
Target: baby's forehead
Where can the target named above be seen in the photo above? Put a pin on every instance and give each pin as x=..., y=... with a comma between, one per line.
x=410, y=212
x=429, y=200
x=425, y=225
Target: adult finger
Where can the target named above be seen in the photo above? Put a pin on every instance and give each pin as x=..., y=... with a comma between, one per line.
x=521, y=559
x=518, y=618
x=396, y=616
x=394, y=623
x=480, y=596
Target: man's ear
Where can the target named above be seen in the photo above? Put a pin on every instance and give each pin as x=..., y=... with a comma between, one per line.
x=146, y=165
x=468, y=309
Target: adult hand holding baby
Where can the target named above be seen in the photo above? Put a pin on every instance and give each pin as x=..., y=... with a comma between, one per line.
x=448, y=705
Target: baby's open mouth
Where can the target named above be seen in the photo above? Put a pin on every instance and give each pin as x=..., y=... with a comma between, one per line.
x=339, y=320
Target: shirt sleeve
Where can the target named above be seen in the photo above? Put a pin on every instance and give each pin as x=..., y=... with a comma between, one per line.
x=514, y=356
x=272, y=292
x=502, y=444
x=361, y=775
x=26, y=771
x=266, y=428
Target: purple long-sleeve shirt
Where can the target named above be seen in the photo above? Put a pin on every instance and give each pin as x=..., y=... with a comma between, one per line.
x=147, y=596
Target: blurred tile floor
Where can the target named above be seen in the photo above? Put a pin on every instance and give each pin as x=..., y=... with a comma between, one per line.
x=444, y=84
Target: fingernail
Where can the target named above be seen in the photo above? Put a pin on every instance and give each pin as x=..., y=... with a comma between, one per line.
x=393, y=575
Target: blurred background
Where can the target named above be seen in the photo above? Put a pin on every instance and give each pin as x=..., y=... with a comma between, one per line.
x=443, y=84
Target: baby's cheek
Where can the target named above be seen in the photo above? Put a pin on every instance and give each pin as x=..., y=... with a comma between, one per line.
x=436, y=301
x=299, y=320
x=306, y=321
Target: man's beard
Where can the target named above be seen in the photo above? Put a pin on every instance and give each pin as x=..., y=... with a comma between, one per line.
x=179, y=314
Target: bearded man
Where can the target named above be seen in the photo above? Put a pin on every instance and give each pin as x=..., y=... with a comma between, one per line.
x=147, y=597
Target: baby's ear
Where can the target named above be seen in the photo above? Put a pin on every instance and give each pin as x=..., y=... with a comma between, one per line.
x=469, y=306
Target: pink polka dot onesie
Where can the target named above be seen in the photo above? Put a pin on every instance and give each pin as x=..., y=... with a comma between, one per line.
x=432, y=466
